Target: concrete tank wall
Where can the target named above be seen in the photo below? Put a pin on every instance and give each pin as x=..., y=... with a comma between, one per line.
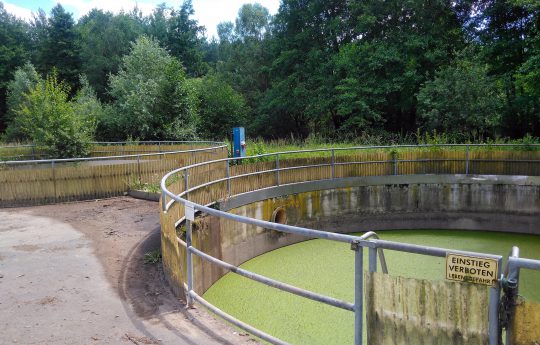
x=509, y=203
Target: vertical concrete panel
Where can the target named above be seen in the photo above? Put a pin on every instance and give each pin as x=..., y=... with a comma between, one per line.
x=403, y=311
x=526, y=324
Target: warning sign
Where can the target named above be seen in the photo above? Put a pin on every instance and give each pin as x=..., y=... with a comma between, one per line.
x=190, y=211
x=471, y=269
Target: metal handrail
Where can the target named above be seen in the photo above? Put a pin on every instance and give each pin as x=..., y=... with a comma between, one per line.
x=514, y=253
x=382, y=259
x=330, y=150
x=369, y=240
x=85, y=159
x=119, y=143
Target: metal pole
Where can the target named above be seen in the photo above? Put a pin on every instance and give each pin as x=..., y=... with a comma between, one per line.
x=228, y=179
x=512, y=274
x=333, y=164
x=163, y=201
x=494, y=296
x=278, y=181
x=189, y=230
x=139, y=167
x=373, y=259
x=358, y=291
x=467, y=160
x=186, y=182
x=54, y=180
x=394, y=158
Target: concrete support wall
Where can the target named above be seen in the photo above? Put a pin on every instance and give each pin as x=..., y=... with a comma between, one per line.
x=496, y=203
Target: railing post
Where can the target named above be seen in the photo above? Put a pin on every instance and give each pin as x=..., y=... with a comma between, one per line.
x=395, y=162
x=512, y=275
x=373, y=259
x=278, y=181
x=139, y=167
x=333, y=164
x=493, y=313
x=189, y=233
x=358, y=291
x=186, y=182
x=163, y=201
x=54, y=180
x=467, y=160
x=228, y=179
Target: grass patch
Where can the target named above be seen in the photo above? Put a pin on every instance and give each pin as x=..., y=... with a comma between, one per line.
x=152, y=257
x=260, y=146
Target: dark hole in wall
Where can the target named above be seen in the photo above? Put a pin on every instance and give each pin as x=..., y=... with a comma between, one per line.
x=279, y=216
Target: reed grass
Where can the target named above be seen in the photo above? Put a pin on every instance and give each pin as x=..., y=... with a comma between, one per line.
x=41, y=183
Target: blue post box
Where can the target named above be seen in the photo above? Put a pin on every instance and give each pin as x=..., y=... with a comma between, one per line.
x=239, y=142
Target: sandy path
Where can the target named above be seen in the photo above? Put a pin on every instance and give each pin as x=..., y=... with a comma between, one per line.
x=74, y=274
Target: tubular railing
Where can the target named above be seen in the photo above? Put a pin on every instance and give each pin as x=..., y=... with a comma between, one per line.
x=31, y=152
x=27, y=182
x=197, y=187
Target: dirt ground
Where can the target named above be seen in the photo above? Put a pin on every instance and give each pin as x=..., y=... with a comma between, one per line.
x=74, y=274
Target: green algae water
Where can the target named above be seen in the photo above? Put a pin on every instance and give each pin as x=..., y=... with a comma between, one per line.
x=328, y=268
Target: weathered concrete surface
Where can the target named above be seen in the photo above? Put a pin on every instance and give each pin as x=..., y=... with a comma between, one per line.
x=525, y=323
x=73, y=274
x=403, y=311
x=496, y=203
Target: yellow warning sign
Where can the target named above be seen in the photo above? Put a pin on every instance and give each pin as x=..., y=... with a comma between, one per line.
x=471, y=269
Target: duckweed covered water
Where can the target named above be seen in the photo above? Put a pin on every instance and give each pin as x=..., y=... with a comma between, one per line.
x=328, y=268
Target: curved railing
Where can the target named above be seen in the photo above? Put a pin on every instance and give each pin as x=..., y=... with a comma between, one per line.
x=200, y=187
x=111, y=170
x=27, y=152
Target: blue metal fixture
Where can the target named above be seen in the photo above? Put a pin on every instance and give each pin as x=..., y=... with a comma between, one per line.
x=239, y=142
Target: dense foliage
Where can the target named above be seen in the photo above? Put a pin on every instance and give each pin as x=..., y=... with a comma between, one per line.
x=328, y=68
x=152, y=98
x=219, y=105
x=49, y=119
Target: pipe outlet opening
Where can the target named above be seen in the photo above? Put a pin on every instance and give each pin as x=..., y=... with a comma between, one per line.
x=279, y=216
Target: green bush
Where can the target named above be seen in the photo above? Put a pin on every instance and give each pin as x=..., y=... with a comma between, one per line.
x=461, y=100
x=25, y=80
x=152, y=99
x=49, y=119
x=220, y=107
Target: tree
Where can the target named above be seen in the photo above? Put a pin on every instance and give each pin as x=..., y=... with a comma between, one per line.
x=186, y=40
x=252, y=21
x=39, y=36
x=509, y=35
x=463, y=100
x=86, y=104
x=104, y=39
x=403, y=44
x=26, y=78
x=50, y=120
x=225, y=31
x=220, y=107
x=59, y=48
x=158, y=23
x=152, y=100
x=243, y=57
x=307, y=35
x=14, y=51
